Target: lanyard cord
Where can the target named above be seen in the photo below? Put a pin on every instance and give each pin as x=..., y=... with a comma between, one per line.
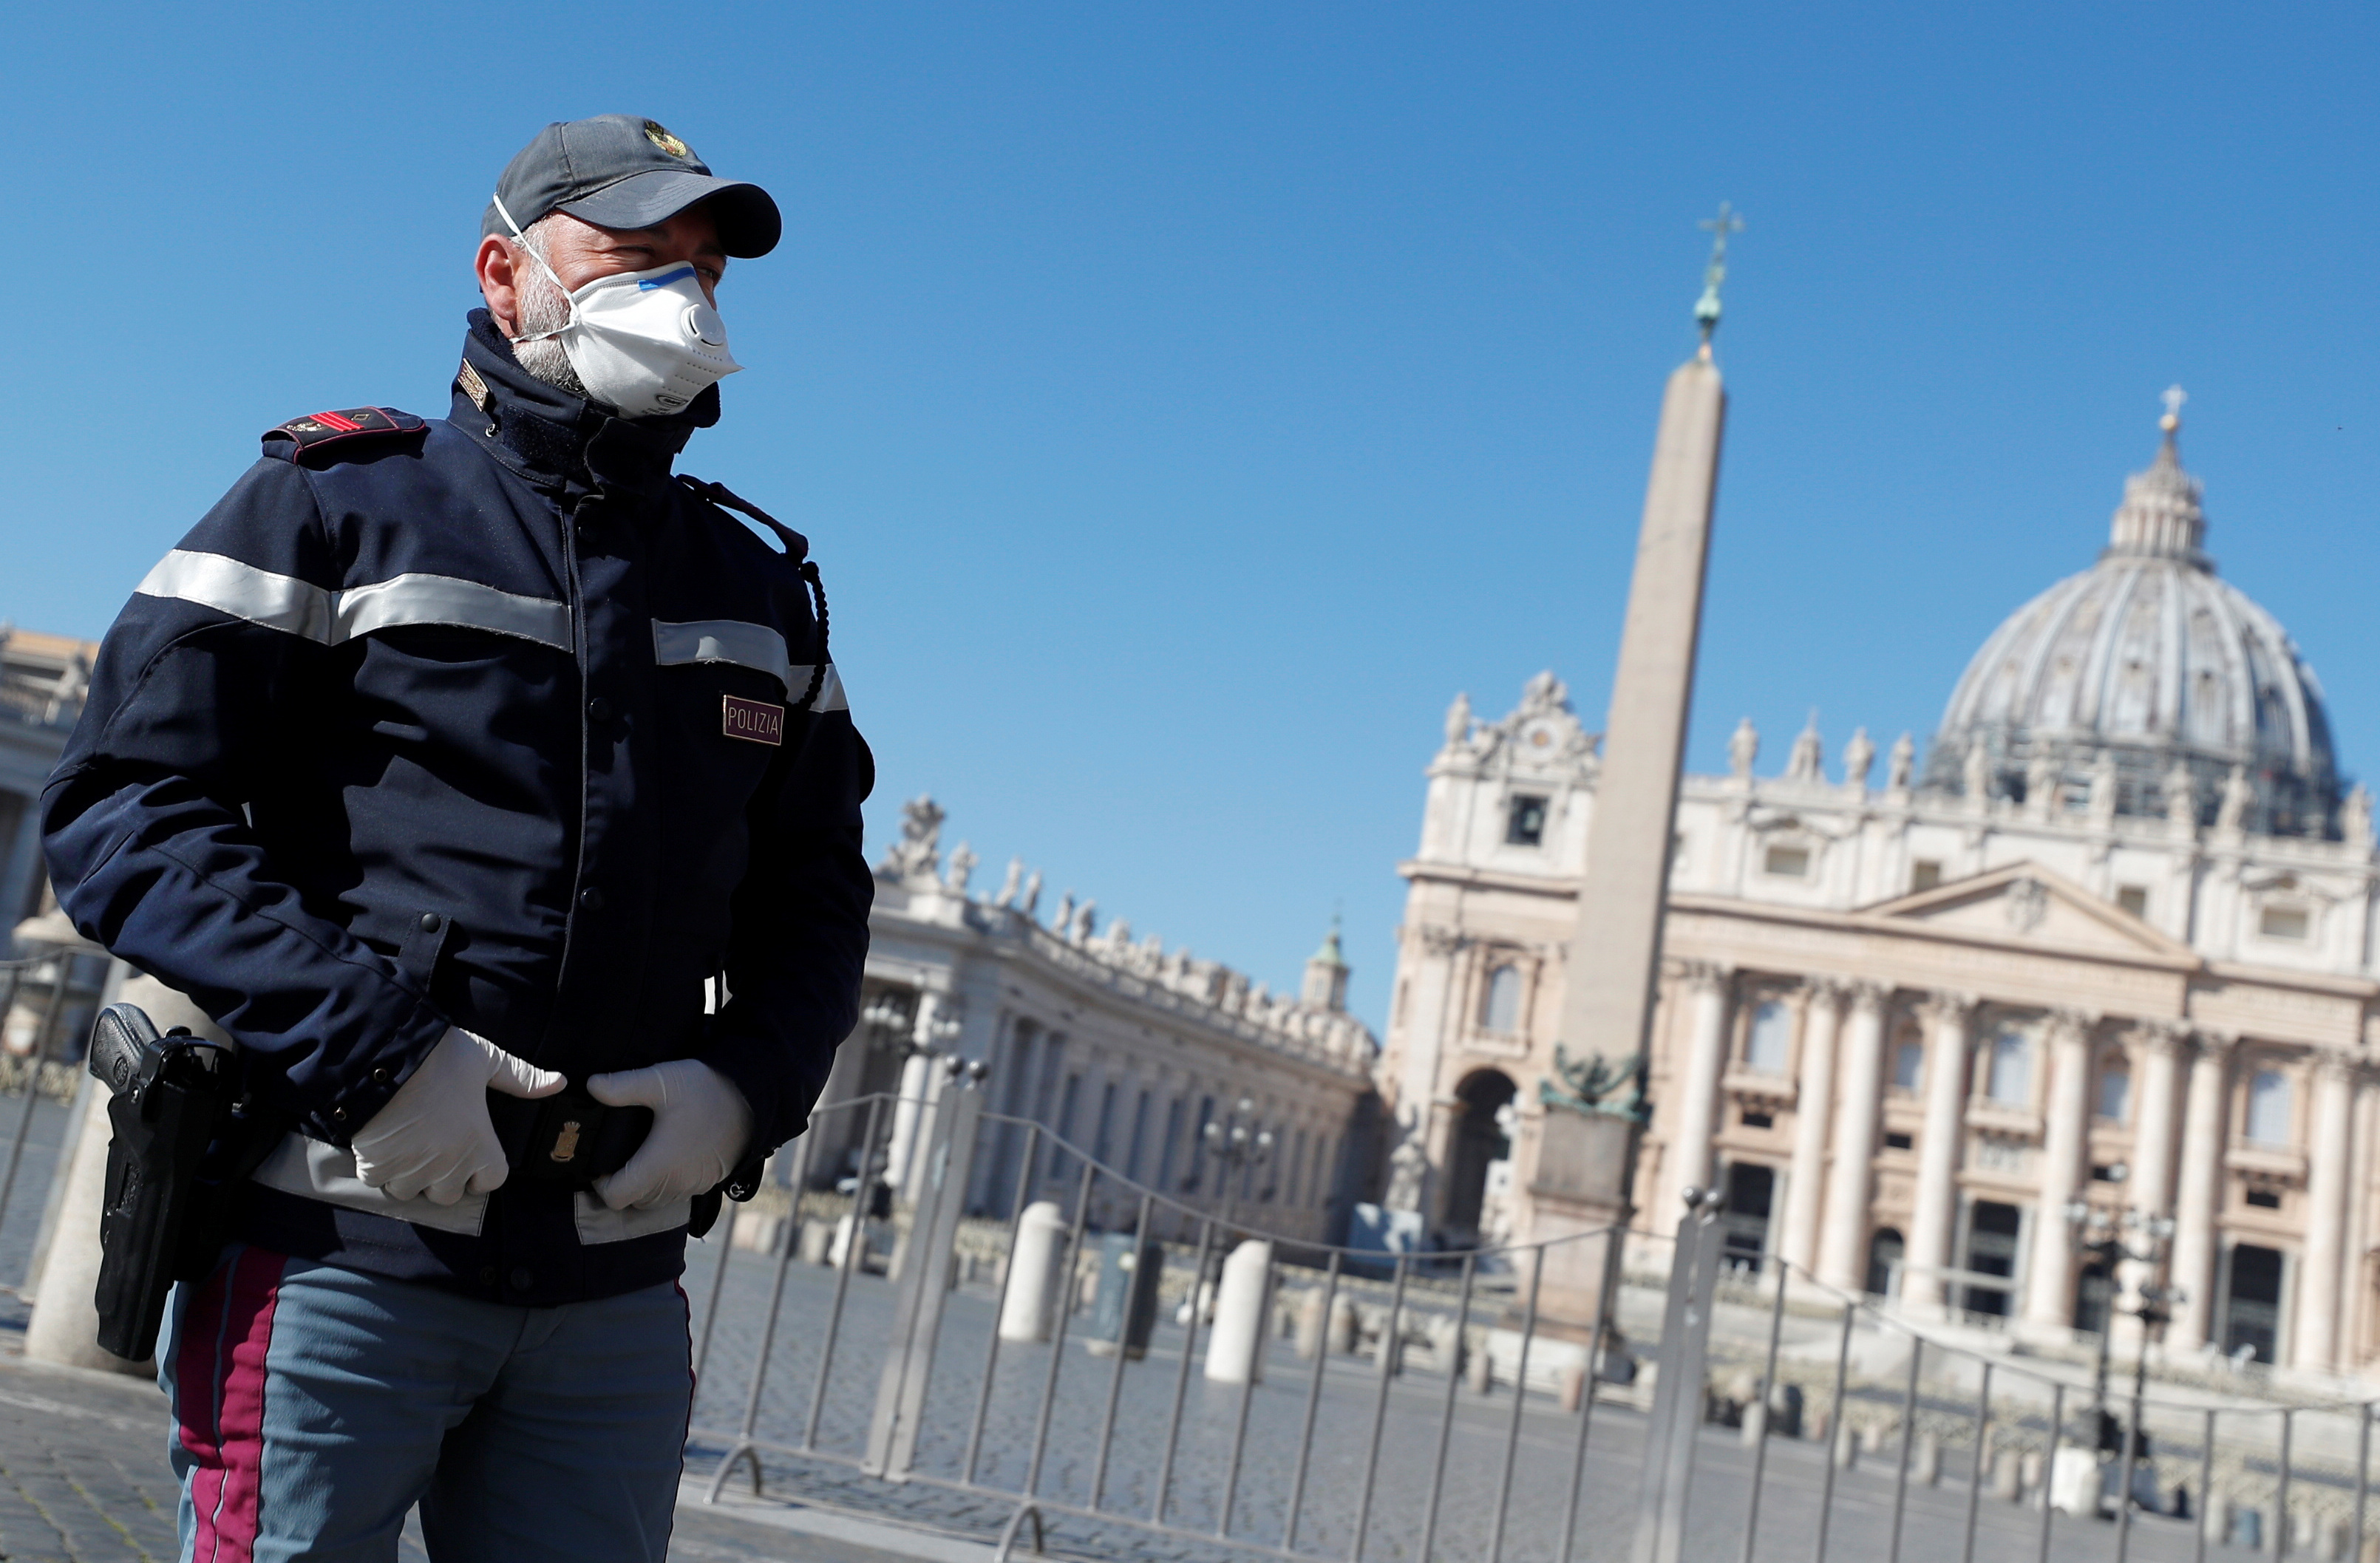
x=797, y=548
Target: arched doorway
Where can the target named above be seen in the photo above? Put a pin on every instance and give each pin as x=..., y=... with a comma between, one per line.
x=1478, y=1140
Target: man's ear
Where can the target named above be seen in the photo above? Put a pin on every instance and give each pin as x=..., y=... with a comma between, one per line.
x=498, y=282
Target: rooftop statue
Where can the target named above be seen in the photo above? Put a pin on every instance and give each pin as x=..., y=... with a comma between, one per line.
x=1859, y=758
x=1742, y=748
x=1903, y=761
x=918, y=854
x=1806, y=762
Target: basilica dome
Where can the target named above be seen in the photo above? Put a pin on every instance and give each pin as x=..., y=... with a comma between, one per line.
x=2146, y=665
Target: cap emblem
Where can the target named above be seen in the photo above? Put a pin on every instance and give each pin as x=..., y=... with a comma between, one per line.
x=667, y=142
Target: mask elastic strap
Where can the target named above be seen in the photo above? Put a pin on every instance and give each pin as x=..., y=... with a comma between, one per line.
x=543, y=335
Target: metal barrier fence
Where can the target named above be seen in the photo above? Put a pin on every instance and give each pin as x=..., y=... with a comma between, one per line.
x=1302, y=1401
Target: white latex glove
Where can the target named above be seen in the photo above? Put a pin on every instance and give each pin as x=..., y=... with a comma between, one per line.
x=434, y=1137
x=700, y=1122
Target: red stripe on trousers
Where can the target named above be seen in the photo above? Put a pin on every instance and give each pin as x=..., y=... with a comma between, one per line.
x=225, y=1487
x=195, y=1380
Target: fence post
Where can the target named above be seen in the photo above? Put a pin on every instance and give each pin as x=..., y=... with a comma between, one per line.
x=925, y=1284
x=1678, y=1394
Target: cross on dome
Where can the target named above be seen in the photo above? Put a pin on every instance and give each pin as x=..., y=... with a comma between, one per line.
x=2174, y=397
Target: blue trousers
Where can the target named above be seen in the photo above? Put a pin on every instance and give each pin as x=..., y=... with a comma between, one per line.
x=314, y=1406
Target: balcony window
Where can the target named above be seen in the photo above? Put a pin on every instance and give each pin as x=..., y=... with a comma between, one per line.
x=2010, y=1078
x=2268, y=1107
x=2115, y=1094
x=1787, y=861
x=1767, y=1045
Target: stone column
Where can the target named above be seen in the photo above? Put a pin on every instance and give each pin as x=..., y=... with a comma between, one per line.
x=2156, y=1052
x=2314, y=1342
x=2157, y=1049
x=1946, y=1017
x=2198, y=1192
x=917, y=1083
x=1859, y=1105
x=2049, y=1275
x=1814, y=1102
x=1689, y=1161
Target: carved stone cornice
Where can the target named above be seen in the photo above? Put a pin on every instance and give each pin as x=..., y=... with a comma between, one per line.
x=1706, y=976
x=1868, y=996
x=2336, y=1068
x=1827, y=992
x=1946, y=1007
x=2163, y=1037
x=2071, y=1020
x=1438, y=940
x=2215, y=1042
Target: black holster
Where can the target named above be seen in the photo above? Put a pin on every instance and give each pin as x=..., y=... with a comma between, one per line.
x=184, y=1138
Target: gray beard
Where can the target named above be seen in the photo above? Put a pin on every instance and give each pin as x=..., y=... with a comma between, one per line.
x=543, y=307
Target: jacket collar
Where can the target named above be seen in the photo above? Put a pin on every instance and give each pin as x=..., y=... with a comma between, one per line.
x=557, y=441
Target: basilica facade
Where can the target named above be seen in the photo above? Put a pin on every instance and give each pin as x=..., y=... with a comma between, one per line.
x=2108, y=949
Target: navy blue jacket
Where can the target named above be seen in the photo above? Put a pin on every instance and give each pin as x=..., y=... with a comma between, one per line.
x=488, y=721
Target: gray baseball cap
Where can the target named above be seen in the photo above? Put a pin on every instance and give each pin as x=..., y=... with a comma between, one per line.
x=618, y=171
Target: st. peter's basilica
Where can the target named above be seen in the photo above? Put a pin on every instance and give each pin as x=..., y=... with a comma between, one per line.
x=2110, y=944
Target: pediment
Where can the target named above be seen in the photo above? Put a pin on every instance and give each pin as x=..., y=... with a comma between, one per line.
x=2024, y=903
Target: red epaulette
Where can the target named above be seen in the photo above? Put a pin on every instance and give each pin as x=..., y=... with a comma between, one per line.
x=301, y=438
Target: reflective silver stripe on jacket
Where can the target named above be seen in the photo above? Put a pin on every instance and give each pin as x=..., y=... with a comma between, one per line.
x=300, y=608
x=747, y=646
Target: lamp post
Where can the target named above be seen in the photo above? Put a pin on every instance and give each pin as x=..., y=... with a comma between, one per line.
x=2103, y=1234
x=1237, y=1145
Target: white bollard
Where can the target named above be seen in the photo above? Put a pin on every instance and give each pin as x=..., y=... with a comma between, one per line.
x=2074, y=1482
x=1033, y=1283
x=839, y=1246
x=1235, y=1351
x=1346, y=1327
x=1311, y=1322
x=817, y=1241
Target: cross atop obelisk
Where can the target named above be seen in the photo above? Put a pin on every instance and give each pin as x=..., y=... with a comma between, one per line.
x=1707, y=308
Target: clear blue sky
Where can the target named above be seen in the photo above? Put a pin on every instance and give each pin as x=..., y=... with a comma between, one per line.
x=1186, y=401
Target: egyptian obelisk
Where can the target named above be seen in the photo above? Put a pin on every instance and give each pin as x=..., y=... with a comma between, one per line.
x=1580, y=1179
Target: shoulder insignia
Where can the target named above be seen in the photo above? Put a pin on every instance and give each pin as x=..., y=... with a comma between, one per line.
x=299, y=438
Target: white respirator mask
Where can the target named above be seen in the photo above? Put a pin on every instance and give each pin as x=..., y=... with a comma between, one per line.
x=643, y=343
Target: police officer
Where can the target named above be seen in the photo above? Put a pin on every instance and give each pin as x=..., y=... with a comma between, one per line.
x=491, y=786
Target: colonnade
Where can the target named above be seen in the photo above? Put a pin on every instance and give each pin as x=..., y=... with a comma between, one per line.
x=2179, y=1146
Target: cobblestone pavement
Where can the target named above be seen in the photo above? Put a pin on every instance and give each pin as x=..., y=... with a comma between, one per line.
x=83, y=1479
